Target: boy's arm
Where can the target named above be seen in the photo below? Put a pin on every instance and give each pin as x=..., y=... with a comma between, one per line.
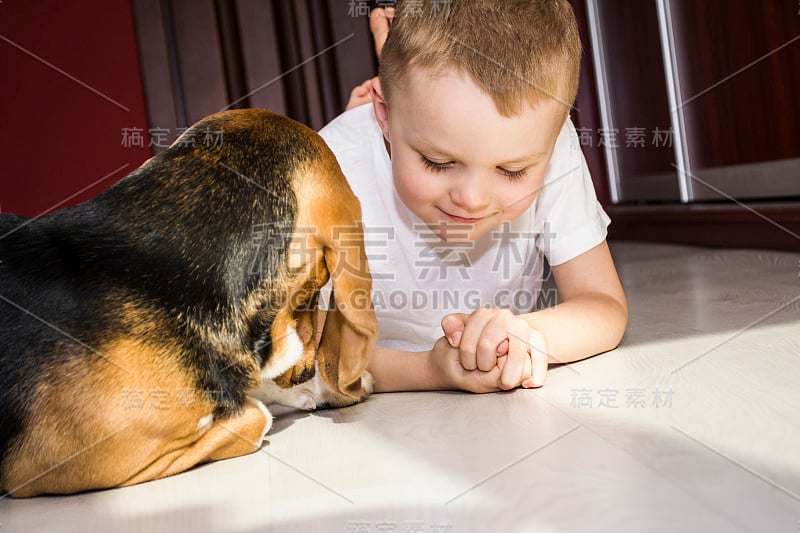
x=438, y=369
x=397, y=370
x=593, y=312
x=591, y=319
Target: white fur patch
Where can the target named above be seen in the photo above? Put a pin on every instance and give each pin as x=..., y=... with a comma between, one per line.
x=307, y=396
x=205, y=423
x=267, y=414
x=281, y=362
x=299, y=397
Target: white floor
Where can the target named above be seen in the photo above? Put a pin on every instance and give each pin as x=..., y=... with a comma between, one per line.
x=692, y=424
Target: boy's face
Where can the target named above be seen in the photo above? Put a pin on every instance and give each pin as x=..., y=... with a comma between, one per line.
x=457, y=163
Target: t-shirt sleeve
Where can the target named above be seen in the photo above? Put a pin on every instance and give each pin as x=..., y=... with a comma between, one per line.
x=568, y=219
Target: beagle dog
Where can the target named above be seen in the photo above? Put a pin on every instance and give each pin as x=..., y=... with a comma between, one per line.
x=137, y=325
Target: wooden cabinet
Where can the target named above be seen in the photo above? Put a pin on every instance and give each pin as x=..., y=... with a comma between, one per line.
x=717, y=78
x=714, y=86
x=635, y=127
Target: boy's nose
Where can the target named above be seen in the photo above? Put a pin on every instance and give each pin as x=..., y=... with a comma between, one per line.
x=470, y=195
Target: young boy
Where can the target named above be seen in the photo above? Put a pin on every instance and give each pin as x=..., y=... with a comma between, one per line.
x=468, y=171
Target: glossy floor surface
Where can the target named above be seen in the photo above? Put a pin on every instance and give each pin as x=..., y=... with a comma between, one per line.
x=692, y=424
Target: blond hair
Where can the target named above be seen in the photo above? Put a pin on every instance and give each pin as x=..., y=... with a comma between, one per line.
x=517, y=51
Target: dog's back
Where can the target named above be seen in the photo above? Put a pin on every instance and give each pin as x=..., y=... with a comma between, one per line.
x=138, y=280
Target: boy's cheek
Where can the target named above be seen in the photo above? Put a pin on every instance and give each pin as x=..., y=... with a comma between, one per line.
x=415, y=189
x=519, y=200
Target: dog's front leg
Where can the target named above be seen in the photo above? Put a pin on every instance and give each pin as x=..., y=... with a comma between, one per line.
x=313, y=394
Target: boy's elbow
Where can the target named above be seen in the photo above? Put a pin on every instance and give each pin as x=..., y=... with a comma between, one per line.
x=619, y=321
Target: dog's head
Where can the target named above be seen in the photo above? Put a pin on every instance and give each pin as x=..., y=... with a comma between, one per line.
x=328, y=244
x=312, y=233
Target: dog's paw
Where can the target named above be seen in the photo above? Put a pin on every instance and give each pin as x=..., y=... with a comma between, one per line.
x=311, y=395
x=329, y=398
x=300, y=397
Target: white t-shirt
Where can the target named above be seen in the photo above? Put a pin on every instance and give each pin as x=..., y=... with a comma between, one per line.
x=417, y=278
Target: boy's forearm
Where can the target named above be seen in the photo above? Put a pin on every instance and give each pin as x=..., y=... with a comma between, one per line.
x=581, y=327
x=398, y=370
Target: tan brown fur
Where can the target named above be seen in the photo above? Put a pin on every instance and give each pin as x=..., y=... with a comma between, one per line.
x=116, y=442
x=347, y=338
x=344, y=350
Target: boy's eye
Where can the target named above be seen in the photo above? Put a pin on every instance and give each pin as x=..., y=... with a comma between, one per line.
x=513, y=174
x=440, y=167
x=436, y=167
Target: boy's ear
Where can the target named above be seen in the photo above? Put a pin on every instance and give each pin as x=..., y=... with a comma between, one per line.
x=380, y=107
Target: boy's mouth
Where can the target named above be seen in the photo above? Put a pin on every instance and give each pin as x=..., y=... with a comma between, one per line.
x=461, y=220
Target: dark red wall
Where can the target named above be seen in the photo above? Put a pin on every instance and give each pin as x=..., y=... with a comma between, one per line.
x=58, y=135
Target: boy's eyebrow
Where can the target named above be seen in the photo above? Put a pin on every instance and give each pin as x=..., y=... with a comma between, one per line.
x=423, y=145
x=526, y=160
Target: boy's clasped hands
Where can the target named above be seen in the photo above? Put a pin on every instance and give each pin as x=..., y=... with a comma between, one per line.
x=490, y=349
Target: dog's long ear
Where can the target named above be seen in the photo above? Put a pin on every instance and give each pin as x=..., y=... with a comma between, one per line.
x=350, y=326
